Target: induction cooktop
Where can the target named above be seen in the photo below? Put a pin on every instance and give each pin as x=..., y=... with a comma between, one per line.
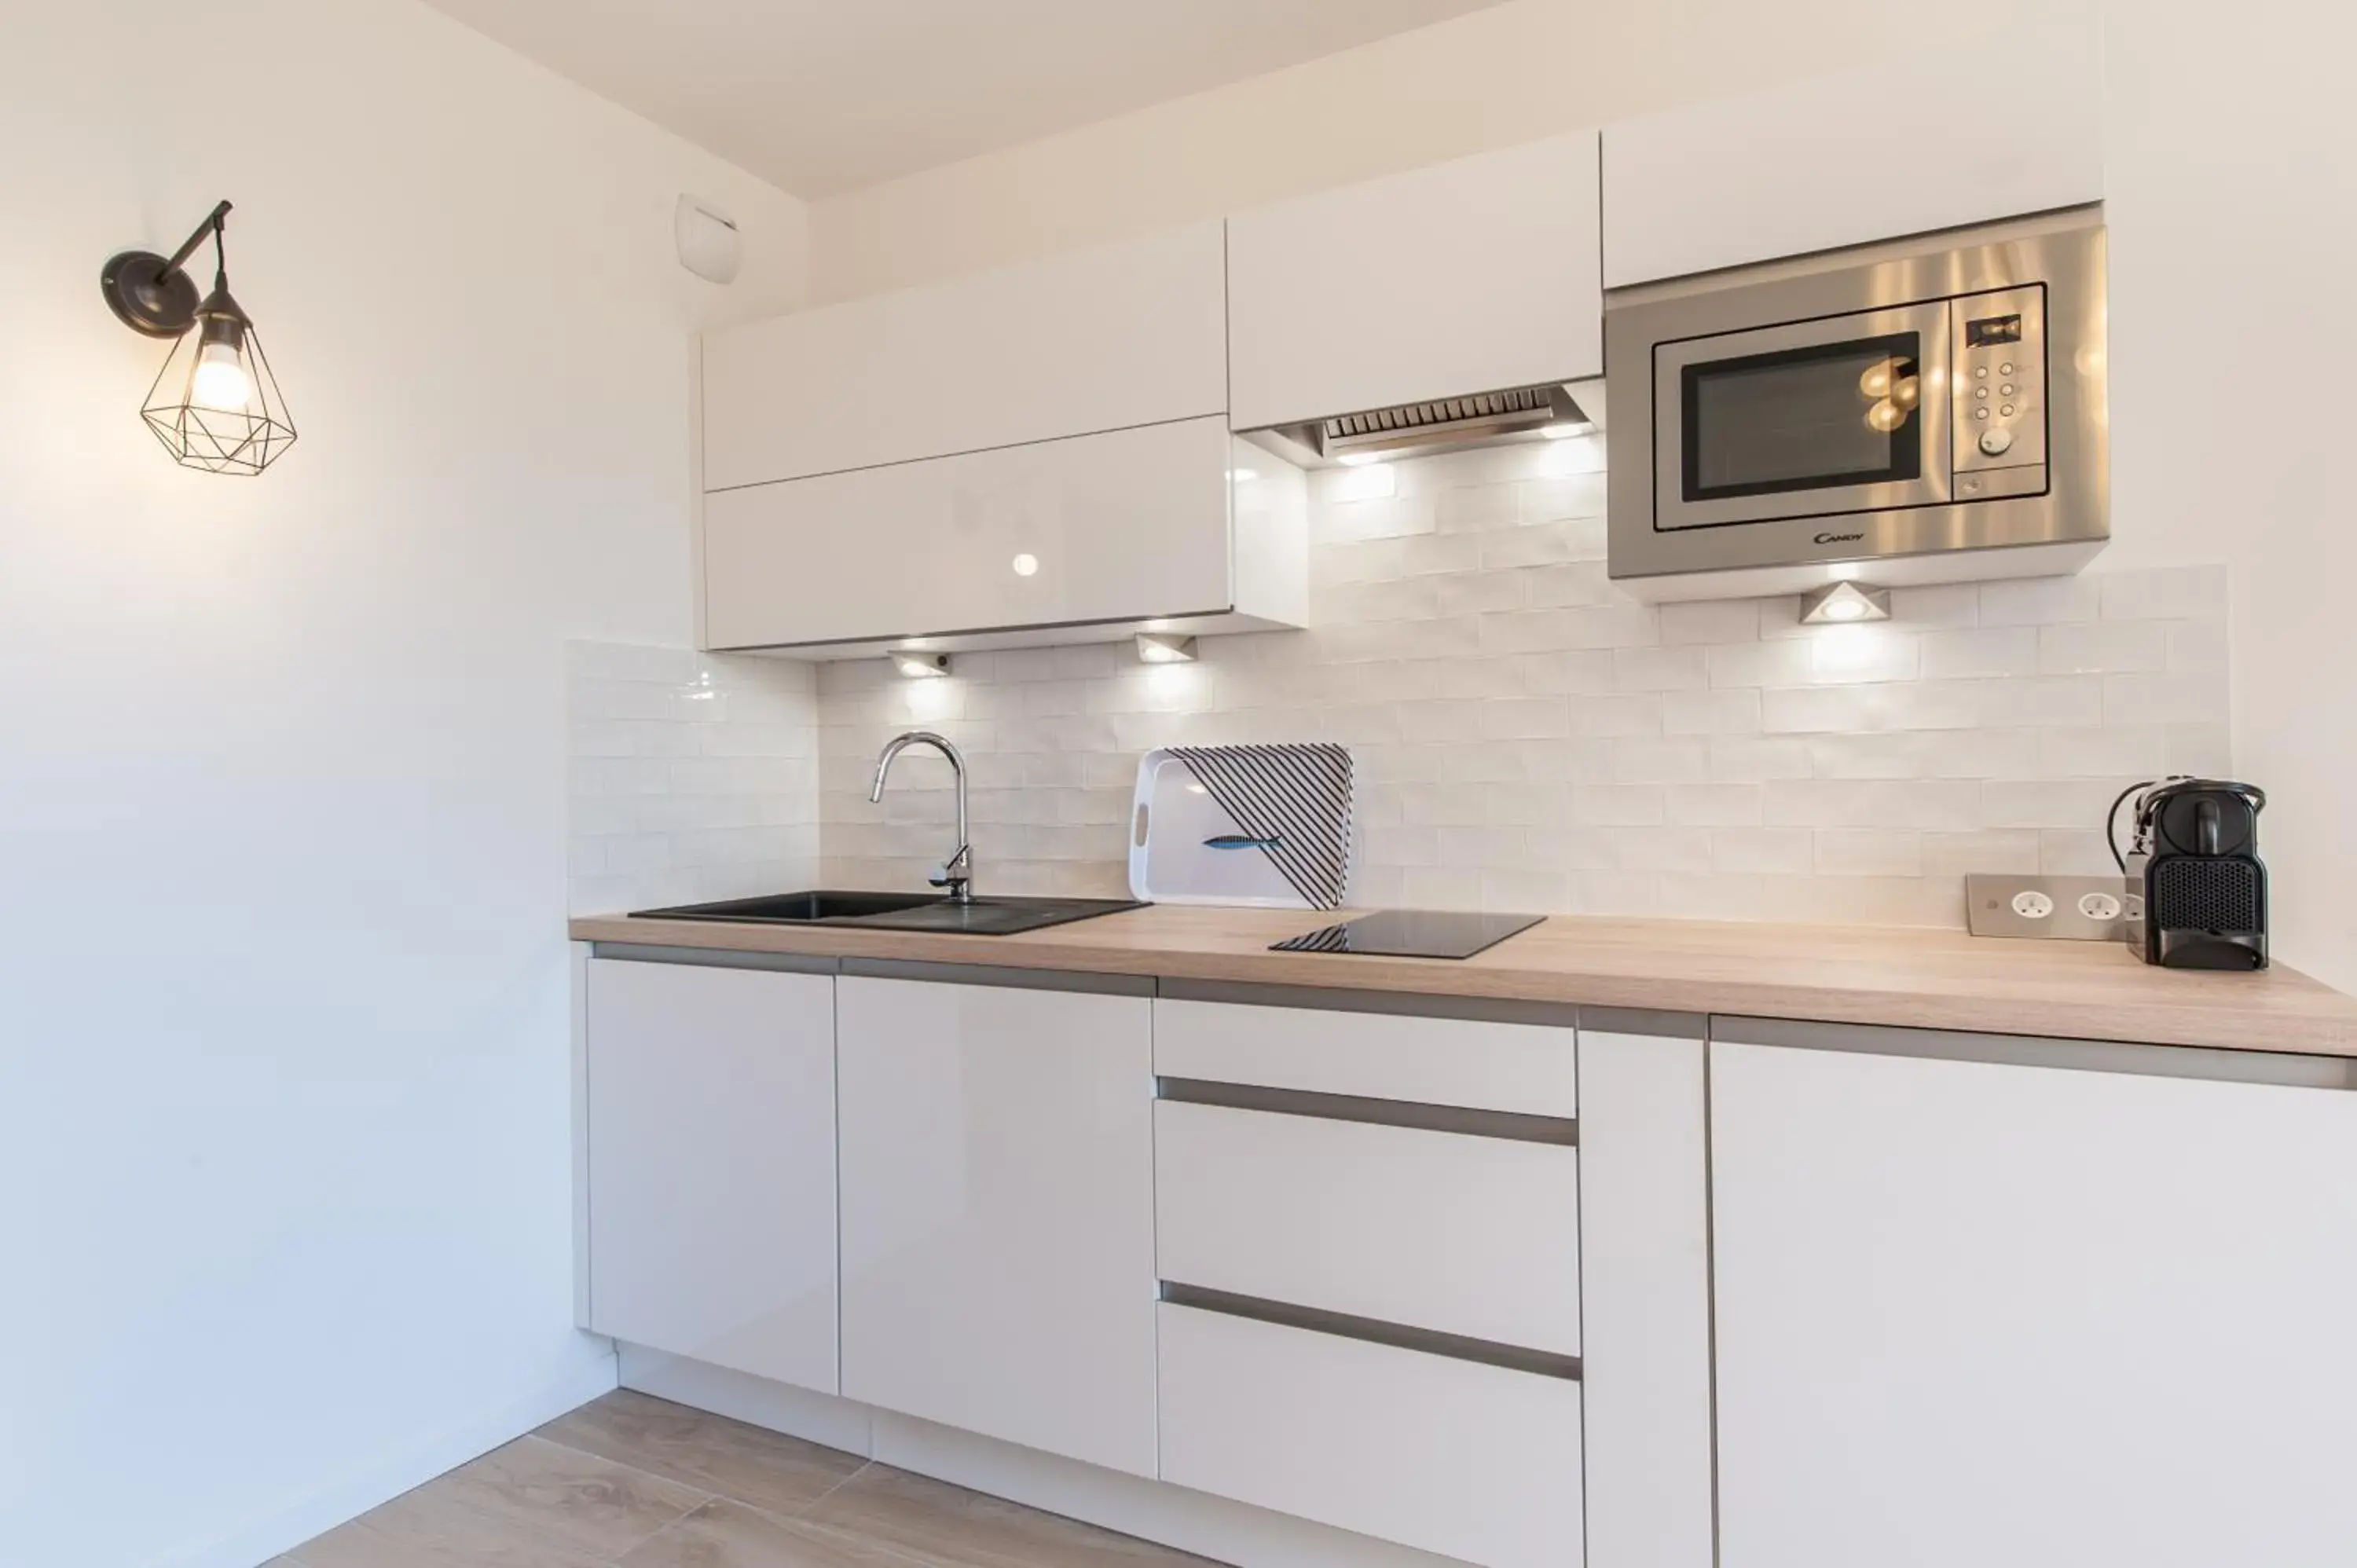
x=1410, y=933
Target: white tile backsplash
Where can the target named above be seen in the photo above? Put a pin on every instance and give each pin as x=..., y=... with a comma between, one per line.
x=689, y=776
x=1528, y=738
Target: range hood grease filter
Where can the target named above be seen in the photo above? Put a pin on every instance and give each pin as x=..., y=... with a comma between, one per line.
x=1453, y=422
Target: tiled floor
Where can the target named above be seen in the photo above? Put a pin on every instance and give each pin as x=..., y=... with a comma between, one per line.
x=635, y=1482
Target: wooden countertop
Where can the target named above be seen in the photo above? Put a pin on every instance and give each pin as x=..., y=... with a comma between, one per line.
x=1915, y=979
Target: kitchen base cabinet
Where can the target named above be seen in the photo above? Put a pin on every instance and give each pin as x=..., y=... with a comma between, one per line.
x=711, y=1165
x=1471, y=1461
x=1971, y=1313
x=998, y=1213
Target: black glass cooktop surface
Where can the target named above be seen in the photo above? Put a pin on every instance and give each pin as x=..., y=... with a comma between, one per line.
x=1410, y=933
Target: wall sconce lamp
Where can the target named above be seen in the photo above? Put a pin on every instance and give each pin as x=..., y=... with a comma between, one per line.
x=215, y=406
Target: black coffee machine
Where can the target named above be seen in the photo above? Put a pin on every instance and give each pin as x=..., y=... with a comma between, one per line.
x=2197, y=891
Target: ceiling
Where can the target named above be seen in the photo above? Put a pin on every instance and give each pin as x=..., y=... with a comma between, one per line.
x=821, y=96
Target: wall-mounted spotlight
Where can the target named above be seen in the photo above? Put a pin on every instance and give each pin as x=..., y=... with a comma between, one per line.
x=215, y=406
x=918, y=666
x=1844, y=604
x=1165, y=648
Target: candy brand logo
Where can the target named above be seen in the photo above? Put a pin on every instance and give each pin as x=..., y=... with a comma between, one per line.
x=1839, y=538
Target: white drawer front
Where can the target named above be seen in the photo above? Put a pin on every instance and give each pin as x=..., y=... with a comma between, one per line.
x=1524, y=1068
x=1473, y=1236
x=1470, y=1460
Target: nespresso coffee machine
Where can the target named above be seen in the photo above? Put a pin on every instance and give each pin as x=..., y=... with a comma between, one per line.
x=2197, y=891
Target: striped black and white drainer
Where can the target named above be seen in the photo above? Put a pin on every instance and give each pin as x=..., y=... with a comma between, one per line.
x=1294, y=799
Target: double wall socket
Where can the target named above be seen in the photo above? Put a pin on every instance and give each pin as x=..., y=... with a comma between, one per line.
x=2085, y=908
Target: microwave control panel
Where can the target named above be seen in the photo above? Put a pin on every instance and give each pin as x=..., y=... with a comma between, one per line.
x=1998, y=360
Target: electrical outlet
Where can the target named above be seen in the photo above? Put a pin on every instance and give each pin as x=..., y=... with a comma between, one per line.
x=2081, y=909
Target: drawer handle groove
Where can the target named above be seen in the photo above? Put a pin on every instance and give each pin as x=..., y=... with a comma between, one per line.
x=1374, y=1331
x=1519, y=1126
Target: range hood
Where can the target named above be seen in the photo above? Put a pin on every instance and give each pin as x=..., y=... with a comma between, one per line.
x=1452, y=423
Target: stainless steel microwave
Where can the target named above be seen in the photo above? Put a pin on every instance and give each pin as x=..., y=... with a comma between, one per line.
x=1922, y=411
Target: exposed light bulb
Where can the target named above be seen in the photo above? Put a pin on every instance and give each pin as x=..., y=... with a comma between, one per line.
x=1026, y=564
x=1845, y=609
x=221, y=380
x=1564, y=428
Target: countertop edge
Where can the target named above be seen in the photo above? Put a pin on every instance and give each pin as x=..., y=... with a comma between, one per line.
x=2155, y=1021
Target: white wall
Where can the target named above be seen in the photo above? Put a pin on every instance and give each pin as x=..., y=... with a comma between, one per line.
x=2230, y=137
x=283, y=973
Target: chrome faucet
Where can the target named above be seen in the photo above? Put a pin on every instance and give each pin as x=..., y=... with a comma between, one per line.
x=955, y=873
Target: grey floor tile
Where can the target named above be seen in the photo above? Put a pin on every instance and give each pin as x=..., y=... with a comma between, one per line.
x=955, y=1528
x=774, y=1473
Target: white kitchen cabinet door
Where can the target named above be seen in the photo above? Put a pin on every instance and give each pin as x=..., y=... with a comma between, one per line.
x=1104, y=338
x=998, y=1213
x=1113, y=527
x=711, y=1165
x=1478, y=1462
x=1971, y=1313
x=1955, y=135
x=1467, y=276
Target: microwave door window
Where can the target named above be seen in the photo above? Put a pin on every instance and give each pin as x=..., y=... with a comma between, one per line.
x=1803, y=419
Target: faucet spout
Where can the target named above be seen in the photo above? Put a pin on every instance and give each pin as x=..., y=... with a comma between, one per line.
x=956, y=872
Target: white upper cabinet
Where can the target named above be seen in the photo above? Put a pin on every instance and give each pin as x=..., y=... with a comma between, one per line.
x=1465, y=277
x=1104, y=338
x=1961, y=134
x=1067, y=538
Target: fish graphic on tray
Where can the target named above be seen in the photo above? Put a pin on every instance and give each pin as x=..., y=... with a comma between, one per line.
x=1256, y=826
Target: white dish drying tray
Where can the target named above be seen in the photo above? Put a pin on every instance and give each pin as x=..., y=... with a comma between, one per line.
x=1261, y=826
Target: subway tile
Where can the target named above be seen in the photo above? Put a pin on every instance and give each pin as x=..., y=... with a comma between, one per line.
x=1756, y=759
x=2177, y=697
x=1868, y=851
x=1352, y=482
x=2105, y=753
x=1618, y=805
x=1939, y=605
x=1526, y=718
x=2195, y=646
x=1765, y=851
x=2041, y=601
x=1730, y=711
x=1473, y=509
x=1478, y=593
x=1714, y=805
x=1634, y=714
x=1658, y=668
x=2070, y=851
x=1711, y=620
x=1570, y=584
x=1555, y=498
x=1946, y=804
x=1761, y=664
x=2205, y=750
x=2098, y=648
x=1990, y=650
x=1534, y=544
x=1988, y=850
x=1578, y=671
x=2074, y=803
x=1383, y=517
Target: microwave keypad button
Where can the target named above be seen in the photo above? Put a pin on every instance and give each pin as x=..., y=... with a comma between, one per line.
x=1980, y=413
x=1980, y=372
x=1980, y=391
x=1995, y=441
x=2005, y=369
x=2006, y=412
x=2005, y=391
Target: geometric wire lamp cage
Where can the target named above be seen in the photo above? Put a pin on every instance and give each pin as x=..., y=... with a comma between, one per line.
x=215, y=404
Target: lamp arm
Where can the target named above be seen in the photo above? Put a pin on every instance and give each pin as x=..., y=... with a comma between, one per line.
x=212, y=225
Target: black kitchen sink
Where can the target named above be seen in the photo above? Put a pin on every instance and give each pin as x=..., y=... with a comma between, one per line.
x=896, y=912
